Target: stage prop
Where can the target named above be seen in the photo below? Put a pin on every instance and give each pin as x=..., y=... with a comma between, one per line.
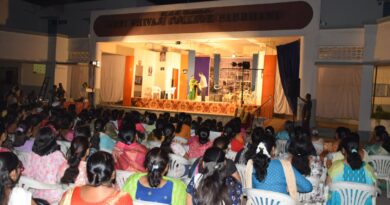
x=217, y=108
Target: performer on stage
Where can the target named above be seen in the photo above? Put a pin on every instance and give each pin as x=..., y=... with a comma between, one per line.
x=193, y=88
x=203, y=85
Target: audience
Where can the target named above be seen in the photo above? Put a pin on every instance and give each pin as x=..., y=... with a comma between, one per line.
x=285, y=134
x=44, y=162
x=169, y=145
x=154, y=186
x=213, y=185
x=200, y=143
x=183, y=128
x=100, y=140
x=353, y=169
x=74, y=171
x=128, y=154
x=379, y=142
x=10, y=171
x=100, y=189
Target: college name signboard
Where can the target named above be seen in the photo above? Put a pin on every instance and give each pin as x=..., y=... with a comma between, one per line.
x=258, y=17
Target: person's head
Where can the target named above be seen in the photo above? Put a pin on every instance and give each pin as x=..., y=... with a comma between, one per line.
x=128, y=135
x=308, y=96
x=262, y=156
x=169, y=133
x=83, y=131
x=34, y=120
x=342, y=132
x=204, y=134
x=379, y=131
x=85, y=85
x=78, y=152
x=150, y=118
x=270, y=130
x=100, y=169
x=228, y=131
x=299, y=150
x=288, y=125
x=10, y=171
x=221, y=142
x=99, y=125
x=212, y=188
x=257, y=135
x=156, y=163
x=158, y=131
x=60, y=85
x=45, y=143
x=350, y=149
x=200, y=74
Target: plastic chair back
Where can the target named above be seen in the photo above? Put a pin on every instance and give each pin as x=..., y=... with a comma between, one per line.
x=64, y=145
x=381, y=165
x=281, y=146
x=177, y=166
x=354, y=193
x=241, y=170
x=121, y=177
x=262, y=197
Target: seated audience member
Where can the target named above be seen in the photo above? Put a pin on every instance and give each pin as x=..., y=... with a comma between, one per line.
x=199, y=144
x=353, y=169
x=44, y=162
x=231, y=169
x=157, y=133
x=243, y=155
x=285, y=134
x=65, y=128
x=317, y=141
x=233, y=131
x=100, y=140
x=169, y=145
x=379, y=142
x=183, y=128
x=10, y=171
x=3, y=137
x=150, y=120
x=339, y=154
x=213, y=185
x=270, y=131
x=100, y=189
x=34, y=122
x=341, y=132
x=74, y=171
x=20, y=136
x=129, y=155
x=111, y=127
x=302, y=159
x=268, y=174
x=153, y=186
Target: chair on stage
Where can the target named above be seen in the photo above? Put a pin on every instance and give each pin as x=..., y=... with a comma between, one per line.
x=171, y=92
x=156, y=90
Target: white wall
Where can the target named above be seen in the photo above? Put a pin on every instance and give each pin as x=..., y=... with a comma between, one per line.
x=172, y=61
x=341, y=37
x=28, y=77
x=147, y=58
x=383, y=40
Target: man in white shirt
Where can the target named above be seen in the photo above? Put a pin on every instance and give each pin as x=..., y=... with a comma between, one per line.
x=203, y=85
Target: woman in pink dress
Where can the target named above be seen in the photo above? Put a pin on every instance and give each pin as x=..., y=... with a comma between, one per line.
x=199, y=144
x=44, y=162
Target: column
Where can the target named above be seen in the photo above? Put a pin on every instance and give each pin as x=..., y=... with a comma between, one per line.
x=191, y=67
x=217, y=62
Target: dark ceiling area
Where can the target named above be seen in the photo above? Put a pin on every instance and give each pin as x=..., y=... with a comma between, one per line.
x=62, y=2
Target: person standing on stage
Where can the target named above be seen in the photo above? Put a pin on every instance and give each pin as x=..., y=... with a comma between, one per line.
x=306, y=111
x=203, y=85
x=193, y=87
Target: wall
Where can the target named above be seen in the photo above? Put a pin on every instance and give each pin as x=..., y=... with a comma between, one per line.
x=341, y=37
x=383, y=40
x=146, y=58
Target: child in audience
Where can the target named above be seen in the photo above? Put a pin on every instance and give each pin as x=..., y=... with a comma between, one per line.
x=128, y=154
x=353, y=169
x=268, y=174
x=213, y=185
x=10, y=171
x=74, y=171
x=153, y=186
x=100, y=189
x=199, y=144
x=44, y=162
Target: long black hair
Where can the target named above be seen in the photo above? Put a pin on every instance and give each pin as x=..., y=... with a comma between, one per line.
x=204, y=134
x=212, y=188
x=45, y=143
x=98, y=127
x=158, y=131
x=78, y=149
x=300, y=150
x=169, y=133
x=156, y=162
x=100, y=168
x=8, y=163
x=350, y=145
x=128, y=134
x=260, y=159
x=257, y=134
x=181, y=117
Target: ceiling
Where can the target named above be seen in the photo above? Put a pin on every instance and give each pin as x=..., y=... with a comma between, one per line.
x=62, y=2
x=227, y=47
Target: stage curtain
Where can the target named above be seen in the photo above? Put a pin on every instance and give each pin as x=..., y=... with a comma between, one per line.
x=280, y=101
x=113, y=68
x=288, y=60
x=338, y=92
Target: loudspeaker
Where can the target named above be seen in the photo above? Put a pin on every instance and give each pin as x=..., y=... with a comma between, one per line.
x=246, y=65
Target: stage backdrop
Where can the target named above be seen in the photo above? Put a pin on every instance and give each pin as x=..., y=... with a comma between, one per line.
x=202, y=64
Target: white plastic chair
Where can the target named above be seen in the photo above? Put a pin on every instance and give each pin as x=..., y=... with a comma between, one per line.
x=230, y=154
x=22, y=156
x=65, y=145
x=281, y=146
x=121, y=177
x=156, y=90
x=262, y=197
x=214, y=135
x=354, y=193
x=153, y=144
x=140, y=202
x=171, y=92
x=381, y=164
x=177, y=166
x=180, y=140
